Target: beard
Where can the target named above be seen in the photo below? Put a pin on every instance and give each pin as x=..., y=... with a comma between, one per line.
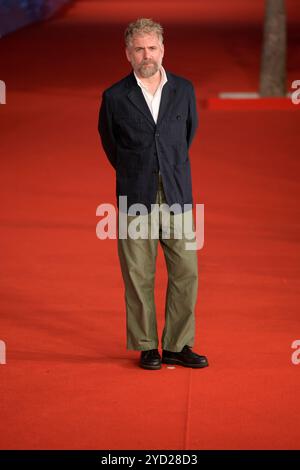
x=147, y=71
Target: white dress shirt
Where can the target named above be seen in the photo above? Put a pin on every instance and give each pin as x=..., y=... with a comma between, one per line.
x=153, y=101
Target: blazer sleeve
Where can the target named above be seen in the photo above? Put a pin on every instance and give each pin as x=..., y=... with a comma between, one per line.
x=192, y=121
x=105, y=130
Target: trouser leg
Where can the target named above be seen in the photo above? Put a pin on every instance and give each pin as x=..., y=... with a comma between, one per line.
x=138, y=263
x=181, y=297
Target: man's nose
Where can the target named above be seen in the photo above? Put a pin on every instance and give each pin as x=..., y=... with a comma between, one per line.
x=146, y=54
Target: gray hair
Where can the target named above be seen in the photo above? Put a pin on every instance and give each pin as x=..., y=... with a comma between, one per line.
x=143, y=26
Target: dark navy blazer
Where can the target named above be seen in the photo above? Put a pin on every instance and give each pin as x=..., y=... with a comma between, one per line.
x=137, y=147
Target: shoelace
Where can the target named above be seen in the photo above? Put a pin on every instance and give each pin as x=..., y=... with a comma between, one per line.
x=189, y=350
x=151, y=352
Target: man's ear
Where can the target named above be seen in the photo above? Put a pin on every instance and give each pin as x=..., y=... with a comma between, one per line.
x=127, y=54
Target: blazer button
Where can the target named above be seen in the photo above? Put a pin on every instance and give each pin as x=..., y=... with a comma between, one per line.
x=155, y=172
x=157, y=134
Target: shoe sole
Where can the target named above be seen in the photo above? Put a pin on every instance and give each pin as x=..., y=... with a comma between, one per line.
x=177, y=362
x=144, y=366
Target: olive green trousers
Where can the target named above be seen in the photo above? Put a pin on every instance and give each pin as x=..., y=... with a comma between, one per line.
x=138, y=265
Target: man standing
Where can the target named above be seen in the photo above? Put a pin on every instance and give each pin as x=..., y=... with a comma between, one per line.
x=147, y=122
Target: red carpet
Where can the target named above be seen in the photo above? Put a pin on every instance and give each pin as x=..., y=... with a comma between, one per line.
x=69, y=381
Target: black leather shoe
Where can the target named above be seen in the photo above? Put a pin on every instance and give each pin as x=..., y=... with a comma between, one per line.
x=186, y=358
x=150, y=359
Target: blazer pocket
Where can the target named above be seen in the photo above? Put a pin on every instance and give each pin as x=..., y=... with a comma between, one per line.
x=177, y=127
x=178, y=117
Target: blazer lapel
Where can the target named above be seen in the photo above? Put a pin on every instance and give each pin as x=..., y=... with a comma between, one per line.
x=167, y=98
x=136, y=96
